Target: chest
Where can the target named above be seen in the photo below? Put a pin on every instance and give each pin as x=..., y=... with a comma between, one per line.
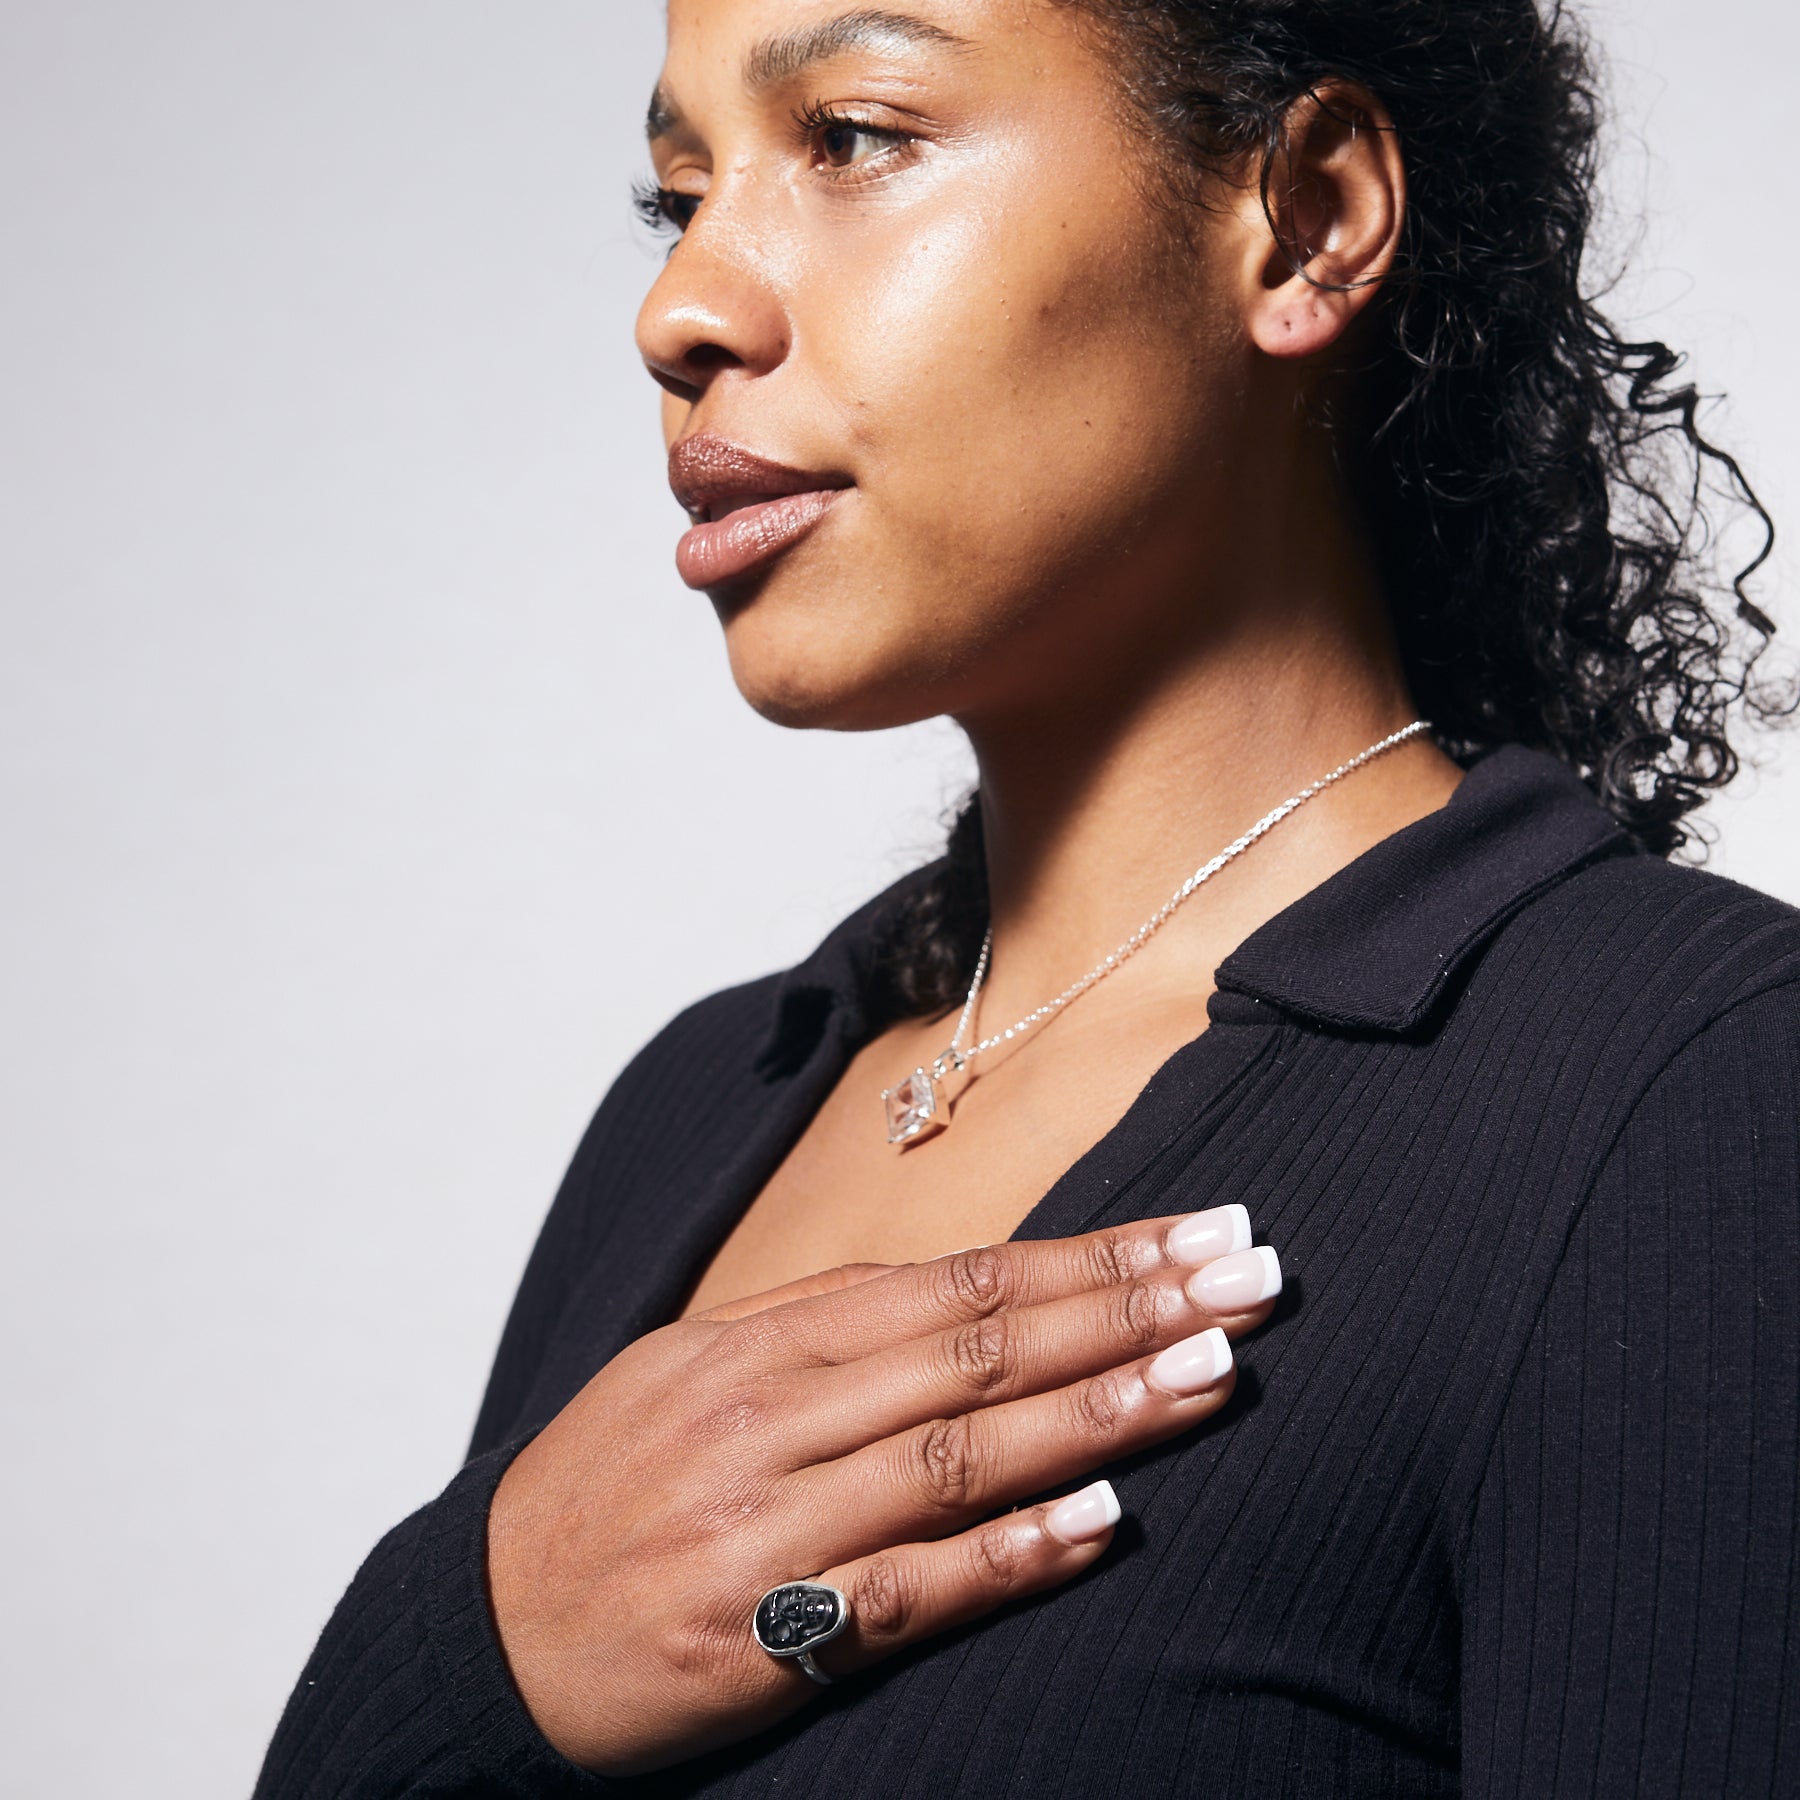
x=1019, y=1121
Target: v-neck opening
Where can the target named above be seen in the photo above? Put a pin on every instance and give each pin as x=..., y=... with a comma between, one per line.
x=1201, y=1072
x=1199, y=1075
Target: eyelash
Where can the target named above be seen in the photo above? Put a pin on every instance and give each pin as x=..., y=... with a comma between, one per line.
x=657, y=207
x=665, y=210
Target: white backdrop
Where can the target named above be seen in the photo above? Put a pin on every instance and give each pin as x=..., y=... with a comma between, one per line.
x=370, y=787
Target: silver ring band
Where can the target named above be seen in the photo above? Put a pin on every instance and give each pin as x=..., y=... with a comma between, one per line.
x=795, y=1618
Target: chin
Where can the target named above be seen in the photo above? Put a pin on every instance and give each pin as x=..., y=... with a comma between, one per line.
x=809, y=697
x=827, y=677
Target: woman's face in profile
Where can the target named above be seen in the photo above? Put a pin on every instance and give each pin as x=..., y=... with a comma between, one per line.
x=929, y=270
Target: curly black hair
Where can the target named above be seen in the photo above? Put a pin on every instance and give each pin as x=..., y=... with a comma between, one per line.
x=1542, y=501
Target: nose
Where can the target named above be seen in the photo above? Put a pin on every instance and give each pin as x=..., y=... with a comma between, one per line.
x=714, y=312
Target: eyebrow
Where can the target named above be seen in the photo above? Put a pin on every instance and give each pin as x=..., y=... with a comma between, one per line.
x=664, y=115
x=785, y=55
x=789, y=53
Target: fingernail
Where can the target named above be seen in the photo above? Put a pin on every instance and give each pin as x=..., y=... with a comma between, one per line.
x=1193, y=1365
x=1204, y=1236
x=1238, y=1282
x=1084, y=1516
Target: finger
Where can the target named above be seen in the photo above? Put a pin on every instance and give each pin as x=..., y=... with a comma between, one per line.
x=922, y=1298
x=1029, y=1350
x=938, y=1476
x=827, y=1281
x=901, y=1596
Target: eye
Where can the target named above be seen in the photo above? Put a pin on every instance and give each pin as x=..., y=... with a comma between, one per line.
x=663, y=209
x=837, y=142
x=844, y=143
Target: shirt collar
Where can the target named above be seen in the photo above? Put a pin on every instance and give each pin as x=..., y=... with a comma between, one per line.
x=1375, y=948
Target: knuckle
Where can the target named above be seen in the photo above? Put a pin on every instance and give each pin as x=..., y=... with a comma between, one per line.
x=978, y=1279
x=720, y=1514
x=770, y=1340
x=702, y=1645
x=995, y=1552
x=944, y=1462
x=981, y=1354
x=1098, y=1408
x=885, y=1597
x=1137, y=1315
x=1112, y=1258
x=743, y=1410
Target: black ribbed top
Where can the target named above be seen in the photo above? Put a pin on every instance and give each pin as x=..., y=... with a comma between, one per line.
x=1505, y=1502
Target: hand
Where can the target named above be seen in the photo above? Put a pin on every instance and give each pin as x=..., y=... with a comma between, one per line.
x=851, y=1427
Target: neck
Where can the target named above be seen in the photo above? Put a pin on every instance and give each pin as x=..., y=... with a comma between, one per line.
x=1098, y=805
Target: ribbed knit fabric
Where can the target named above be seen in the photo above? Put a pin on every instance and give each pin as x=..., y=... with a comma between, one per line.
x=1506, y=1501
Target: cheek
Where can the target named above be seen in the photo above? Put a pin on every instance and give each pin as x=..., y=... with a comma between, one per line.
x=1016, y=385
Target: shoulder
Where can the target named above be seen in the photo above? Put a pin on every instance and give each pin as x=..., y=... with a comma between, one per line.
x=1664, y=936
x=1696, y=899
x=706, y=1079
x=762, y=1031
x=691, y=1088
x=1638, y=990
x=719, y=1036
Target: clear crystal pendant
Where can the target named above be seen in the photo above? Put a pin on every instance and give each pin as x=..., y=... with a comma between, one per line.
x=915, y=1108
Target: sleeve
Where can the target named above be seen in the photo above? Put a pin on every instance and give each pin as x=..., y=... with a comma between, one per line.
x=1631, y=1579
x=407, y=1693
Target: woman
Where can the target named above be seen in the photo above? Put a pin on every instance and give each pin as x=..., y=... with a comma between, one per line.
x=1189, y=399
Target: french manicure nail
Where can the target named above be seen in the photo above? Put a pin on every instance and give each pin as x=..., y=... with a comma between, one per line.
x=1084, y=1516
x=1193, y=1365
x=1204, y=1236
x=1238, y=1282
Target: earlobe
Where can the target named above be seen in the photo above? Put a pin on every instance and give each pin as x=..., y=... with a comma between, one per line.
x=1299, y=319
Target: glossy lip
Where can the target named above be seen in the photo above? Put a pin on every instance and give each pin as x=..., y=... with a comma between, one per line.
x=747, y=509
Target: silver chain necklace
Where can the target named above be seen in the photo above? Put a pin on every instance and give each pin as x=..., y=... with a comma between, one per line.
x=917, y=1107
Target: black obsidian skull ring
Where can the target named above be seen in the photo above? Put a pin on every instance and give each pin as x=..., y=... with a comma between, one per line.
x=793, y=1620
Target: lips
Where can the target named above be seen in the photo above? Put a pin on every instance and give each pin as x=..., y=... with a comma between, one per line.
x=747, y=509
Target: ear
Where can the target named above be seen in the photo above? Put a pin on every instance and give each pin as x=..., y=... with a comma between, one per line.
x=1336, y=201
